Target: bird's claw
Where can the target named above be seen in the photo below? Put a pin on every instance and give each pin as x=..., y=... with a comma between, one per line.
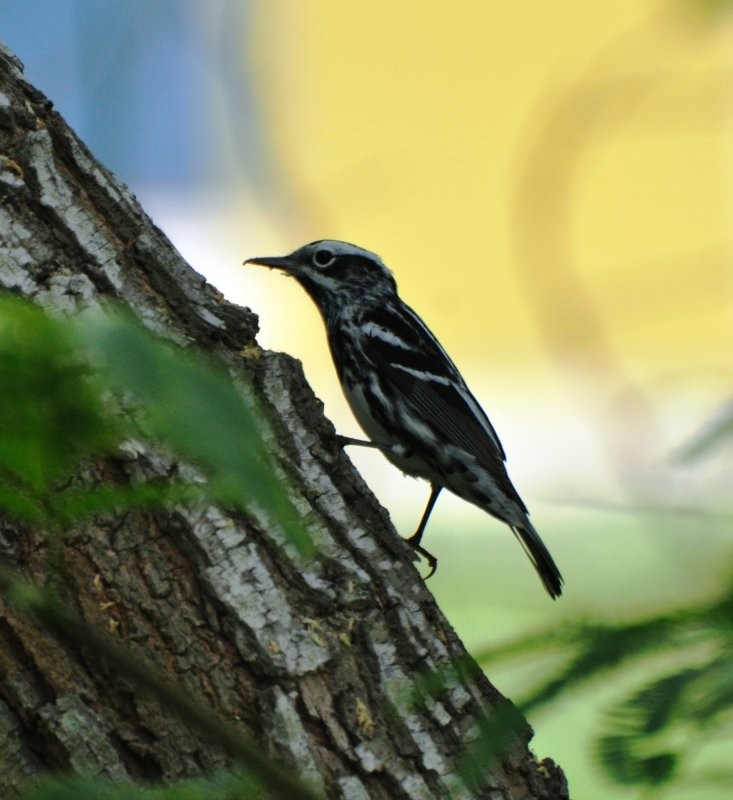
x=427, y=555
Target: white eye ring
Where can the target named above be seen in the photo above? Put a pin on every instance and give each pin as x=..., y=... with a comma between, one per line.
x=323, y=257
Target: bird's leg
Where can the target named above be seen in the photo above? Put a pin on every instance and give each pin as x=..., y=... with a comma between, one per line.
x=346, y=440
x=414, y=540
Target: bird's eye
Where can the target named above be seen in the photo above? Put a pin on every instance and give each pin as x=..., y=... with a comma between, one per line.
x=323, y=257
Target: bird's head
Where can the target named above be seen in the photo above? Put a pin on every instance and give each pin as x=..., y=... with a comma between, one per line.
x=335, y=273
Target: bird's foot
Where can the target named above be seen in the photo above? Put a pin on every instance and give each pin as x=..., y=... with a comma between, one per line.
x=426, y=554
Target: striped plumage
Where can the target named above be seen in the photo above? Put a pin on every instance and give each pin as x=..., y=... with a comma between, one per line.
x=406, y=392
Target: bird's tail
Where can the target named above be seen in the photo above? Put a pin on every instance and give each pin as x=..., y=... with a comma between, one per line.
x=540, y=556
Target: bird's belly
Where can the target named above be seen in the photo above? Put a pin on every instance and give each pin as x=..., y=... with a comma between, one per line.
x=401, y=455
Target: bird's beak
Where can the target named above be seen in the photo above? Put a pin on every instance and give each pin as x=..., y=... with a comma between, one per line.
x=285, y=263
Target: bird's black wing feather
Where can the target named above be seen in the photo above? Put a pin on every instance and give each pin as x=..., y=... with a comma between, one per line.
x=402, y=349
x=451, y=411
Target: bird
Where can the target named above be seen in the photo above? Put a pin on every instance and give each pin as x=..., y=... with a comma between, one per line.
x=406, y=392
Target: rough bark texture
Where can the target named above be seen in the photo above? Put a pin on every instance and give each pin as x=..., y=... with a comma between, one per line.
x=313, y=660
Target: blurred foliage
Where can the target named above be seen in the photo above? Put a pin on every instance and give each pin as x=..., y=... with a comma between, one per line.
x=713, y=436
x=712, y=8
x=496, y=732
x=679, y=665
x=76, y=389
x=51, y=411
x=219, y=787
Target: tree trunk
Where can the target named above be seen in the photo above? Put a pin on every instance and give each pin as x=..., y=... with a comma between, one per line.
x=315, y=661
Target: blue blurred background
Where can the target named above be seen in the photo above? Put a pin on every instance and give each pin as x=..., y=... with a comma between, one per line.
x=137, y=80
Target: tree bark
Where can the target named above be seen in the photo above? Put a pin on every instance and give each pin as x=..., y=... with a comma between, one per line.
x=314, y=660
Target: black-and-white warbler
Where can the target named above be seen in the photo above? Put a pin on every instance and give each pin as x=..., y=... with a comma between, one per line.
x=405, y=391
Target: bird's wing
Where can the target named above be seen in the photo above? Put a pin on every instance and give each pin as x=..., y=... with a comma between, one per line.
x=402, y=349
x=454, y=414
x=449, y=408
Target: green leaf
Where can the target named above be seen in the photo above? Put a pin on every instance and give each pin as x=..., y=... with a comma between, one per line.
x=651, y=734
x=50, y=411
x=637, y=747
x=713, y=435
x=224, y=786
x=589, y=650
x=192, y=404
x=54, y=375
x=16, y=502
x=498, y=733
x=76, y=504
